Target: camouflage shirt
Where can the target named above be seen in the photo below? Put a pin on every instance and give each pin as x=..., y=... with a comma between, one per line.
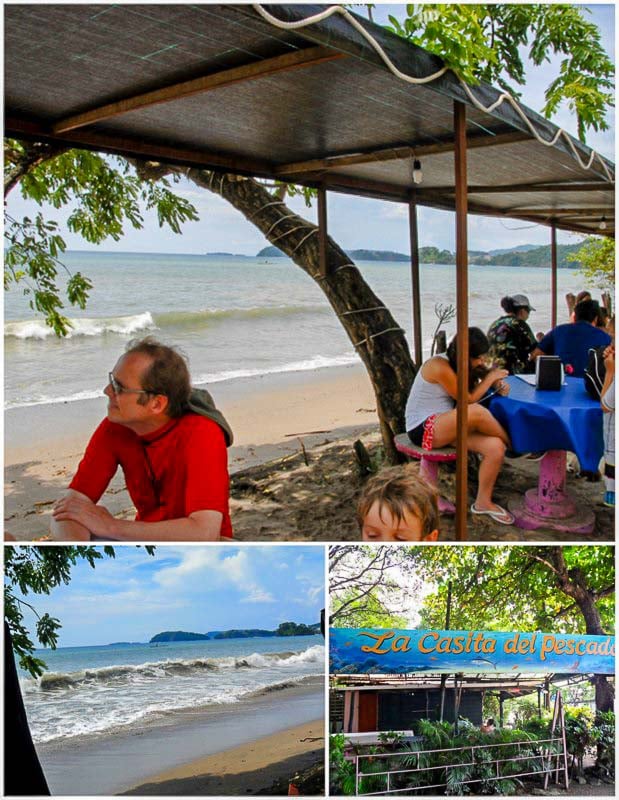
x=511, y=341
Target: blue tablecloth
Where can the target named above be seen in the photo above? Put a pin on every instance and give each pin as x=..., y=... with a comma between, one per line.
x=565, y=420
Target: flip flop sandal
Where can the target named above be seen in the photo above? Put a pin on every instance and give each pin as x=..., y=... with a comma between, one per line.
x=503, y=517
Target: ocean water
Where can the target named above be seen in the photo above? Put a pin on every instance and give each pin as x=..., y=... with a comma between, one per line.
x=233, y=316
x=98, y=691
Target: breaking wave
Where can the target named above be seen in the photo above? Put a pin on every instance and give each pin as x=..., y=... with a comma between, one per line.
x=37, y=329
x=149, y=321
x=152, y=671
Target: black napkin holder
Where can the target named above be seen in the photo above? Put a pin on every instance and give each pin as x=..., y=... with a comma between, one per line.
x=548, y=373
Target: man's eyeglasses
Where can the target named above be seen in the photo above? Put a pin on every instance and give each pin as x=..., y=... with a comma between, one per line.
x=118, y=388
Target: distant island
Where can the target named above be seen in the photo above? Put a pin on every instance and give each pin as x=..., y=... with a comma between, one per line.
x=123, y=644
x=284, y=629
x=226, y=255
x=178, y=636
x=525, y=255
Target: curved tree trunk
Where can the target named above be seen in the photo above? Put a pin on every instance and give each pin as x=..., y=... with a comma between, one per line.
x=573, y=583
x=371, y=328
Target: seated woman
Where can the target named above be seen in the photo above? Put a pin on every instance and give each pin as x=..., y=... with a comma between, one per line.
x=511, y=339
x=431, y=415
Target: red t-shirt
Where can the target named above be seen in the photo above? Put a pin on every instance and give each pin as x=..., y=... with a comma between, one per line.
x=178, y=469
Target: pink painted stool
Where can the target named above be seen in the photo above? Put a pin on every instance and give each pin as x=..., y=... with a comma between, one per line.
x=429, y=462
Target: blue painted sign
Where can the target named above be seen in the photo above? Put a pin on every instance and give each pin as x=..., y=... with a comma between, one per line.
x=387, y=651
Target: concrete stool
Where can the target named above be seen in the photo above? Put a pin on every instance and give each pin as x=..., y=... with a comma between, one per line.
x=428, y=468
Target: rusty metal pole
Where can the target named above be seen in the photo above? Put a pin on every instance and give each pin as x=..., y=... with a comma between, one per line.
x=553, y=279
x=462, y=309
x=415, y=283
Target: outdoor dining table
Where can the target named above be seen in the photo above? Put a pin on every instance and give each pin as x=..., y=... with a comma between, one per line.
x=557, y=422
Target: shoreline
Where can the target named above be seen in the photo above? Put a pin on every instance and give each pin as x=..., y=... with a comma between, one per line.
x=269, y=415
x=122, y=760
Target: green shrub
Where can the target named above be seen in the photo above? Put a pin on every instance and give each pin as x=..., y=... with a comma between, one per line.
x=580, y=734
x=605, y=730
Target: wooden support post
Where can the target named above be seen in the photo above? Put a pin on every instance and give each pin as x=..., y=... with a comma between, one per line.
x=415, y=283
x=457, y=699
x=444, y=675
x=566, y=771
x=351, y=712
x=553, y=280
x=462, y=320
x=322, y=231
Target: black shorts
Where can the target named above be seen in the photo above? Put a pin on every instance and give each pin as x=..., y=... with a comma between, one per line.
x=416, y=434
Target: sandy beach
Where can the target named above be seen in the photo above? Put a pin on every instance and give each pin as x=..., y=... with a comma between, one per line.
x=293, y=467
x=249, y=769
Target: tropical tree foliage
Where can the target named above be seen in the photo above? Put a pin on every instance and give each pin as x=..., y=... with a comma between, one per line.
x=596, y=258
x=486, y=42
x=520, y=588
x=493, y=587
x=105, y=196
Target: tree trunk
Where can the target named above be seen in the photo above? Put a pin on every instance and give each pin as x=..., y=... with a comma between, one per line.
x=22, y=770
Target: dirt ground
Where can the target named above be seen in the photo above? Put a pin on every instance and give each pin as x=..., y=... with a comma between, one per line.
x=315, y=501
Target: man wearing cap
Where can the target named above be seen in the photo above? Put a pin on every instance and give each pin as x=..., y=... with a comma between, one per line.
x=169, y=440
x=511, y=339
x=573, y=340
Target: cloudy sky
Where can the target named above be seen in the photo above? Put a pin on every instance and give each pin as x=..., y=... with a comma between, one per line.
x=194, y=588
x=356, y=222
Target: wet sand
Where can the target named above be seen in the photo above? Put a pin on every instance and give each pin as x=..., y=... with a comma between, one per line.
x=176, y=747
x=248, y=769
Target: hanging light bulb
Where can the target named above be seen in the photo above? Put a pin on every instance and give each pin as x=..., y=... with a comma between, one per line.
x=417, y=171
x=603, y=224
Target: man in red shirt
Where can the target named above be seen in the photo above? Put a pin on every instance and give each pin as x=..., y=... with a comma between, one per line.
x=174, y=460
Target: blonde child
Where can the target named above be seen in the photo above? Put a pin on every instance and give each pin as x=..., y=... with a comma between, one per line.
x=398, y=505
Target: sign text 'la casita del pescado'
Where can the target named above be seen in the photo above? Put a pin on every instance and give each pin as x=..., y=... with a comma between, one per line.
x=396, y=651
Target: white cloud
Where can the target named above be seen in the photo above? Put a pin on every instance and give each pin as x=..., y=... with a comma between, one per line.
x=210, y=568
x=257, y=595
x=194, y=560
x=237, y=568
x=310, y=596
